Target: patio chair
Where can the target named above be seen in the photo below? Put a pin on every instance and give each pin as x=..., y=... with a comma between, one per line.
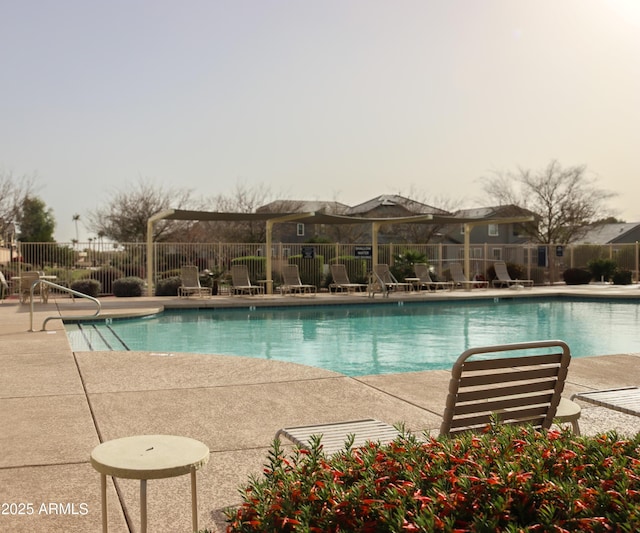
x=624, y=400
x=191, y=283
x=383, y=276
x=503, y=279
x=425, y=281
x=460, y=280
x=517, y=389
x=525, y=386
x=27, y=279
x=240, y=282
x=341, y=280
x=4, y=287
x=292, y=284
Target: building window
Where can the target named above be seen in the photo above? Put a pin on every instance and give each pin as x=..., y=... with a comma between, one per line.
x=496, y=253
x=300, y=230
x=493, y=230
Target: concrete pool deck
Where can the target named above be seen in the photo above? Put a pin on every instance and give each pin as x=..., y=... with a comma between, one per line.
x=57, y=405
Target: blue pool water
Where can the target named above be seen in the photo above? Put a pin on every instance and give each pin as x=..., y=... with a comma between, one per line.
x=375, y=339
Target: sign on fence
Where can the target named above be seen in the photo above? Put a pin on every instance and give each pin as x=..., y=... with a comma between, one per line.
x=363, y=251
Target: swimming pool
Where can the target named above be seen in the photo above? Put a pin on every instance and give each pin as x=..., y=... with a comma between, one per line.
x=362, y=339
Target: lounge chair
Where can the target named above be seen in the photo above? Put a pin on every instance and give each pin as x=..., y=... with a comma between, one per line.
x=341, y=280
x=460, y=281
x=525, y=387
x=625, y=399
x=425, y=281
x=240, y=282
x=292, y=284
x=191, y=283
x=4, y=287
x=27, y=279
x=519, y=389
x=383, y=279
x=503, y=279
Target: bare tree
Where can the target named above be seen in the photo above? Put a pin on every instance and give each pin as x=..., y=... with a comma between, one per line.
x=13, y=192
x=565, y=200
x=125, y=215
x=243, y=199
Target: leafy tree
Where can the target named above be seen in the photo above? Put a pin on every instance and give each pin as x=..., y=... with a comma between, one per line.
x=125, y=215
x=565, y=200
x=36, y=222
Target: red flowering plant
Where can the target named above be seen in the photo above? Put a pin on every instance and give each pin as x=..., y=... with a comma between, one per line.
x=508, y=479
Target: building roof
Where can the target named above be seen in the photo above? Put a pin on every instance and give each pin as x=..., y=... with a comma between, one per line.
x=392, y=200
x=609, y=233
x=305, y=206
x=496, y=210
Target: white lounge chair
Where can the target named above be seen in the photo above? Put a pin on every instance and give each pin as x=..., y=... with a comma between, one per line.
x=240, y=282
x=292, y=284
x=341, y=280
x=625, y=399
x=27, y=280
x=425, y=281
x=460, y=280
x=4, y=287
x=503, y=279
x=382, y=276
x=191, y=283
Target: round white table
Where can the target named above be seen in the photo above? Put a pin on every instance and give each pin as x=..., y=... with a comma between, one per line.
x=146, y=457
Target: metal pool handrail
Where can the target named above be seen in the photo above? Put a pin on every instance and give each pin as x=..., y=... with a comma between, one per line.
x=64, y=289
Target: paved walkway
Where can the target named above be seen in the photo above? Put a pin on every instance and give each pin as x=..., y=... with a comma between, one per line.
x=56, y=406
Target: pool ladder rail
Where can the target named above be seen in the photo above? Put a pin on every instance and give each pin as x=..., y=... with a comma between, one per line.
x=63, y=289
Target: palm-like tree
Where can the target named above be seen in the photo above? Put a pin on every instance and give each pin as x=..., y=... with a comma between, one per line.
x=76, y=217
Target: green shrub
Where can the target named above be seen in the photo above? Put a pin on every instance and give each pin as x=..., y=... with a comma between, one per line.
x=90, y=287
x=622, y=277
x=507, y=479
x=403, y=264
x=128, y=287
x=168, y=286
x=602, y=269
x=106, y=277
x=576, y=276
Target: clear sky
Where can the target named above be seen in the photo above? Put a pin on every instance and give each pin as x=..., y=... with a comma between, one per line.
x=322, y=100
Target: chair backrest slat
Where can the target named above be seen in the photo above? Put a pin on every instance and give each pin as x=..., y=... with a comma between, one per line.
x=505, y=377
x=491, y=406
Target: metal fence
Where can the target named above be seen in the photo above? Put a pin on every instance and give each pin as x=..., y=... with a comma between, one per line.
x=69, y=262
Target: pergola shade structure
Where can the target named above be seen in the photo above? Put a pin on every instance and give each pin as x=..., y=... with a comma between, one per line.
x=317, y=218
